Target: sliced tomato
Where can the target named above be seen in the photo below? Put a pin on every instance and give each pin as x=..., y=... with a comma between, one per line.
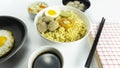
x=66, y=23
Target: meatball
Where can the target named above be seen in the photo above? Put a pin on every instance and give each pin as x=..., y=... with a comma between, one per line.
x=53, y=25
x=70, y=3
x=76, y=4
x=42, y=26
x=47, y=19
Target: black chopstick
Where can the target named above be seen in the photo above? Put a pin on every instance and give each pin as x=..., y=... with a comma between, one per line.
x=89, y=59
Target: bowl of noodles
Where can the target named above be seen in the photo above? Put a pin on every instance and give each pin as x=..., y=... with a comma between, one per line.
x=62, y=24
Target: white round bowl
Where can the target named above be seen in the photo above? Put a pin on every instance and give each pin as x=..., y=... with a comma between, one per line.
x=82, y=15
x=32, y=15
x=42, y=50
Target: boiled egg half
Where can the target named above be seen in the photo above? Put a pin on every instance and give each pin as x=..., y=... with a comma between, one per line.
x=6, y=42
x=52, y=13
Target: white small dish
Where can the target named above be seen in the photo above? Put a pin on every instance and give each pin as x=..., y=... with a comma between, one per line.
x=36, y=7
x=45, y=49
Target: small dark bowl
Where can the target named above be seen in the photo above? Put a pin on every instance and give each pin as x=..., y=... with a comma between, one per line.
x=19, y=31
x=85, y=2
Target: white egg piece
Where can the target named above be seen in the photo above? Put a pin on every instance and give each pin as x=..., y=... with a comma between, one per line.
x=6, y=42
x=52, y=13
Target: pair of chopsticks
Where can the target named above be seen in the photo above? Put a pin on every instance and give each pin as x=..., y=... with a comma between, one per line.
x=89, y=59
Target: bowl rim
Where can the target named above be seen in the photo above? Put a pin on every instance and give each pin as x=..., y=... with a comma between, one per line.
x=22, y=42
x=69, y=7
x=42, y=50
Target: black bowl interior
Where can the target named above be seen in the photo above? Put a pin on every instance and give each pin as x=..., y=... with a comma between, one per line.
x=18, y=29
x=86, y=3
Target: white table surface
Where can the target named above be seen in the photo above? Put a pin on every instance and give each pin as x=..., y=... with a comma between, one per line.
x=110, y=9
x=18, y=8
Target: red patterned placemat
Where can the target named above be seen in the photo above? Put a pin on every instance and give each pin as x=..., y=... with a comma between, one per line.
x=108, y=48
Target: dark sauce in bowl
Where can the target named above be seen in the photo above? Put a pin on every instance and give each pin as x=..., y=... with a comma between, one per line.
x=47, y=60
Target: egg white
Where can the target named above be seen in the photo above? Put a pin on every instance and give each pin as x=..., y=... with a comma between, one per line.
x=8, y=44
x=53, y=16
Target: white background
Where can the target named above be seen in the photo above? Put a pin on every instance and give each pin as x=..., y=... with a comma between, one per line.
x=110, y=9
x=18, y=8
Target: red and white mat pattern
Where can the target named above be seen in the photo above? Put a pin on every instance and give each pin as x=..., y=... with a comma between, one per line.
x=108, y=47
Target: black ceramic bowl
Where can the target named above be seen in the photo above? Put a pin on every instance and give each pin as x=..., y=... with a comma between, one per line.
x=85, y=2
x=18, y=29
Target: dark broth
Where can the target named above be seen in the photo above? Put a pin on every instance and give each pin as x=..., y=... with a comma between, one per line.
x=47, y=60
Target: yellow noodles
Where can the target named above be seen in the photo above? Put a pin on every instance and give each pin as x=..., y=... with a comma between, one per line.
x=70, y=34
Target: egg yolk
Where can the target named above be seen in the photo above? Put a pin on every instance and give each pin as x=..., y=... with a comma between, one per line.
x=52, y=12
x=3, y=39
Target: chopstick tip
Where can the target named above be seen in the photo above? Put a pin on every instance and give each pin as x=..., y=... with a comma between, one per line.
x=103, y=18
